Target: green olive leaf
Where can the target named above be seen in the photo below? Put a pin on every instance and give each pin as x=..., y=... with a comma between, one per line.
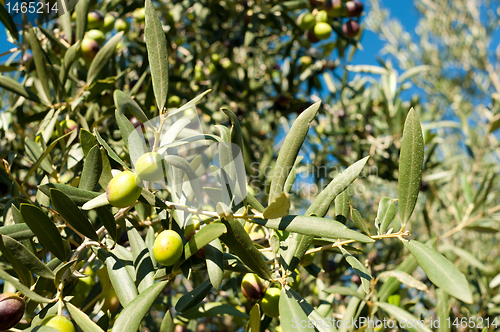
x=385, y=215
x=278, y=208
x=102, y=57
x=359, y=268
x=92, y=169
x=78, y=196
x=142, y=260
x=215, y=263
x=82, y=320
x=290, y=307
x=410, y=166
x=358, y=220
x=402, y=315
x=120, y=279
x=194, y=297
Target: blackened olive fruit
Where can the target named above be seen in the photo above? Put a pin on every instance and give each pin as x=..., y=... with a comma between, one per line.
x=353, y=8
x=11, y=310
x=350, y=28
x=253, y=286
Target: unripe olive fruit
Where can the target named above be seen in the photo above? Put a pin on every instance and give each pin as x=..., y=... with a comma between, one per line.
x=168, y=247
x=334, y=8
x=191, y=228
x=122, y=25
x=96, y=35
x=124, y=189
x=353, y=8
x=305, y=61
x=109, y=23
x=226, y=63
x=89, y=48
x=68, y=125
x=322, y=30
x=111, y=301
x=59, y=323
x=95, y=20
x=215, y=57
x=350, y=28
x=296, y=280
x=149, y=166
x=253, y=286
x=322, y=16
x=174, y=101
x=270, y=302
x=307, y=259
x=11, y=310
x=139, y=14
x=306, y=21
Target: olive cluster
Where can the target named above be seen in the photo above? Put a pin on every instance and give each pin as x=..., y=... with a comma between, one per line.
x=318, y=24
x=98, y=24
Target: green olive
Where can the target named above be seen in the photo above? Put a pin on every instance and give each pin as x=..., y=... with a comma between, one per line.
x=122, y=25
x=270, y=302
x=307, y=259
x=111, y=301
x=253, y=286
x=174, y=101
x=124, y=189
x=96, y=35
x=305, y=61
x=322, y=30
x=139, y=14
x=11, y=310
x=296, y=280
x=306, y=21
x=59, y=323
x=322, y=16
x=109, y=23
x=149, y=166
x=335, y=8
x=168, y=247
x=191, y=228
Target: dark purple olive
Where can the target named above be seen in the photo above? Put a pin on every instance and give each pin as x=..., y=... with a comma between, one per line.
x=311, y=36
x=11, y=310
x=353, y=8
x=350, y=28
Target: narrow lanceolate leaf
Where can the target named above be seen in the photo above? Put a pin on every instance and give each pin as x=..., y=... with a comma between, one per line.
x=82, y=320
x=72, y=214
x=404, y=278
x=130, y=318
x=143, y=264
x=124, y=102
x=8, y=22
x=280, y=207
x=102, y=57
x=238, y=240
x=311, y=313
x=120, y=279
x=344, y=291
x=442, y=309
x=69, y=59
x=410, y=166
x=40, y=63
x=92, y=169
x=290, y=149
x=45, y=230
x=254, y=321
x=295, y=315
x=342, y=207
x=392, y=284
x=358, y=220
x=10, y=84
x=17, y=231
x=78, y=196
x=125, y=126
x=215, y=263
x=167, y=324
x=440, y=271
x=194, y=297
x=465, y=256
x=404, y=317
x=385, y=215
x=156, y=45
x=314, y=226
x=202, y=238
x=99, y=201
x=26, y=258
x=359, y=268
x=22, y=288
x=108, y=221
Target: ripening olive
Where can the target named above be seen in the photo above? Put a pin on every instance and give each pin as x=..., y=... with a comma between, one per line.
x=311, y=36
x=11, y=310
x=334, y=8
x=122, y=25
x=96, y=35
x=59, y=323
x=168, y=247
x=253, y=286
x=149, y=166
x=109, y=23
x=322, y=16
x=89, y=48
x=95, y=20
x=350, y=28
x=322, y=30
x=306, y=21
x=353, y=8
x=270, y=302
x=124, y=189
